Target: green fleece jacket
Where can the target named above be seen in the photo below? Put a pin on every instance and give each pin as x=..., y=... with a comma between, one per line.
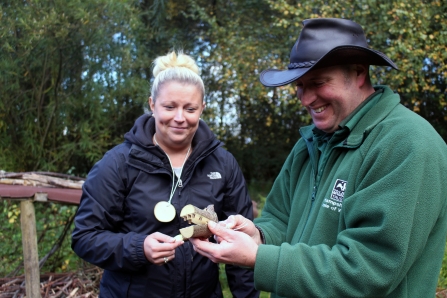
x=360, y=213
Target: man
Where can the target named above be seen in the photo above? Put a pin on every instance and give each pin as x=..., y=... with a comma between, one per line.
x=359, y=207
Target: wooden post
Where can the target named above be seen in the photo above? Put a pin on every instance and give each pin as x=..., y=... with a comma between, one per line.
x=30, y=253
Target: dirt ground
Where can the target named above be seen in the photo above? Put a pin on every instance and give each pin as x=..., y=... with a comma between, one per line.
x=56, y=285
x=83, y=284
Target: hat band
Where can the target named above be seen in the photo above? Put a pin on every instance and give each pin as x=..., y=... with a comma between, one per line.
x=301, y=65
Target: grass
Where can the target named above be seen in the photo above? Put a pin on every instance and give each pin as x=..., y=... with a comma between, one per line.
x=225, y=288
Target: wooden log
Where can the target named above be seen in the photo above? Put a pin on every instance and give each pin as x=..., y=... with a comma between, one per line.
x=23, y=182
x=192, y=214
x=200, y=217
x=30, y=253
x=195, y=231
x=33, y=179
x=54, y=181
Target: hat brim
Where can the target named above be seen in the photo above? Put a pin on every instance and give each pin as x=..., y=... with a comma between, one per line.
x=344, y=55
x=276, y=77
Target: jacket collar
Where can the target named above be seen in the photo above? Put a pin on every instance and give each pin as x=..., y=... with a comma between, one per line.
x=144, y=155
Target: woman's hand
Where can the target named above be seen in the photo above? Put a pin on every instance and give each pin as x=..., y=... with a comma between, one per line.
x=160, y=248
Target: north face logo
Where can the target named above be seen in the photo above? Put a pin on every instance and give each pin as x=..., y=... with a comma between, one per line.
x=338, y=192
x=214, y=175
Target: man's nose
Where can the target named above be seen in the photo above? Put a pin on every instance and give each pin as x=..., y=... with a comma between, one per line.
x=306, y=96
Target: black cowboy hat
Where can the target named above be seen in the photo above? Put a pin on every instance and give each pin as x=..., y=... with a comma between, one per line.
x=322, y=43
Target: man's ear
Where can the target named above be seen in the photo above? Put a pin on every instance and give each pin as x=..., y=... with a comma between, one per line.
x=362, y=74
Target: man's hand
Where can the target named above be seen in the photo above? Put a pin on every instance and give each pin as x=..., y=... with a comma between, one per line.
x=234, y=247
x=240, y=223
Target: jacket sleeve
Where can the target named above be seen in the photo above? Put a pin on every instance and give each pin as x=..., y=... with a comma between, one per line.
x=394, y=218
x=97, y=237
x=237, y=201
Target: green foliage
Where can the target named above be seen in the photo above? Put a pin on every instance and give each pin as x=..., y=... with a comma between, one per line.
x=50, y=222
x=10, y=234
x=67, y=87
x=258, y=191
x=442, y=280
x=76, y=74
x=247, y=116
x=225, y=287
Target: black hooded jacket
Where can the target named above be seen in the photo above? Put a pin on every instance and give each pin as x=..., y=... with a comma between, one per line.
x=116, y=214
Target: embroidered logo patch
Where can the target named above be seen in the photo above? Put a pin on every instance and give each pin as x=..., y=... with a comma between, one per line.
x=214, y=175
x=338, y=192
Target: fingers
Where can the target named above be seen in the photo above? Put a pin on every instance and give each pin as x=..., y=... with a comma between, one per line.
x=234, y=221
x=221, y=233
x=163, y=260
x=236, y=248
x=163, y=238
x=157, y=246
x=205, y=248
x=238, y=223
x=230, y=222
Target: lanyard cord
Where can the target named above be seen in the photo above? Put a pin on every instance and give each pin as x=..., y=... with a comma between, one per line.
x=174, y=185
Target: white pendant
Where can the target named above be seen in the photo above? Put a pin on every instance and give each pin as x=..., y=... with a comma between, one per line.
x=164, y=211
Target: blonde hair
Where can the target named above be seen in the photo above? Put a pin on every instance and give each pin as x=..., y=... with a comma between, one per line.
x=177, y=67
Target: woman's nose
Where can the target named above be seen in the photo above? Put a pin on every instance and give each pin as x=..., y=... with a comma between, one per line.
x=179, y=115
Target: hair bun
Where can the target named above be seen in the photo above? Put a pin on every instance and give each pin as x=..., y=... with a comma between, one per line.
x=172, y=60
x=176, y=67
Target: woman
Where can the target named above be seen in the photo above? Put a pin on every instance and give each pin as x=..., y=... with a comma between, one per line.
x=132, y=198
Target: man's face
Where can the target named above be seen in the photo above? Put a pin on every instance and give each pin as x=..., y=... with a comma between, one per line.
x=329, y=94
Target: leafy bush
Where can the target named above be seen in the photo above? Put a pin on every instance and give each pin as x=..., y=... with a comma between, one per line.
x=442, y=280
x=51, y=220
